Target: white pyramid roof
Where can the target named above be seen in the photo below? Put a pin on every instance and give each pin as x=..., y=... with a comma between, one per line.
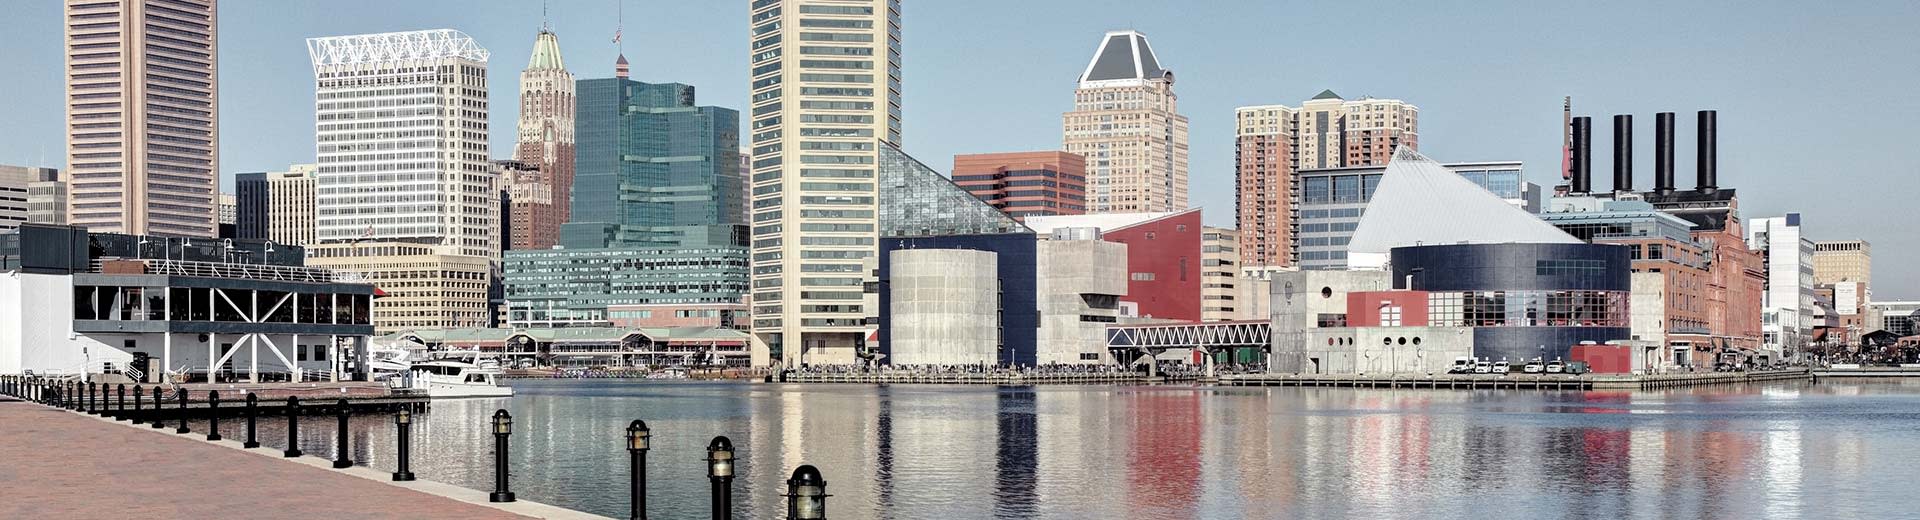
x=1421, y=202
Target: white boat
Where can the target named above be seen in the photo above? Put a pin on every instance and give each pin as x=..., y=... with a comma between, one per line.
x=446, y=378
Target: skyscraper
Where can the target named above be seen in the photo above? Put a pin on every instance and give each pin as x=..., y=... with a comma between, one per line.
x=1274, y=142
x=290, y=208
x=1126, y=123
x=142, y=114
x=250, y=215
x=402, y=140
x=827, y=74
x=655, y=170
x=46, y=193
x=1787, y=305
x=546, y=142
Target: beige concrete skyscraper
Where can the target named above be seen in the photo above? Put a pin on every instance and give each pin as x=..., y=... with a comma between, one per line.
x=546, y=142
x=1126, y=122
x=1842, y=261
x=1272, y=142
x=142, y=113
x=290, y=205
x=825, y=74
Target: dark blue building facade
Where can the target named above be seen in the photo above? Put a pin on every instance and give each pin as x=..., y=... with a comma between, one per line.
x=1523, y=300
x=1019, y=301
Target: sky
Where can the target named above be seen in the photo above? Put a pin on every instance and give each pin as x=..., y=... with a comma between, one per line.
x=1813, y=100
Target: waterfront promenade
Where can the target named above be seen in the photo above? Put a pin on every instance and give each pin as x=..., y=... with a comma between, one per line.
x=59, y=464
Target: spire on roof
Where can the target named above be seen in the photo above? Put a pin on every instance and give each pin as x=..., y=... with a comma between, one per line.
x=620, y=66
x=1123, y=55
x=1327, y=94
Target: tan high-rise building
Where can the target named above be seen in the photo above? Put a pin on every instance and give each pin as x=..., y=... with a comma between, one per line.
x=1273, y=142
x=825, y=94
x=142, y=113
x=1837, y=261
x=1219, y=274
x=546, y=143
x=290, y=205
x=1126, y=123
x=419, y=286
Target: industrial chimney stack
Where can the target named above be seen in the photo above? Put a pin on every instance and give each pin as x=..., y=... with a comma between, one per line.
x=1663, y=153
x=1708, y=153
x=1623, y=153
x=1582, y=175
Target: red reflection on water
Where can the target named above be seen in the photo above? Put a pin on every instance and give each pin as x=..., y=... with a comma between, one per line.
x=1163, y=475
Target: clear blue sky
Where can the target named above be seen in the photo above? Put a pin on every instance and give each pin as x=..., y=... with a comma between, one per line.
x=1816, y=102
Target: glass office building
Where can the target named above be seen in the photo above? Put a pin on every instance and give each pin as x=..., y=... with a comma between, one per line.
x=652, y=169
x=555, y=285
x=1332, y=200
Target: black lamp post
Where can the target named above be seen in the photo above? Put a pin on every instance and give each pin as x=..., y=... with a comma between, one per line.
x=502, y=427
x=342, y=459
x=720, y=472
x=293, y=427
x=137, y=405
x=253, y=415
x=639, y=439
x=404, y=421
x=806, y=494
x=213, y=415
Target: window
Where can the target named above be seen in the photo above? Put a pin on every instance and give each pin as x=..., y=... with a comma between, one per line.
x=1389, y=315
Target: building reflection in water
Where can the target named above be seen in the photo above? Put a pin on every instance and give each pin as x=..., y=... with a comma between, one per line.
x=1176, y=452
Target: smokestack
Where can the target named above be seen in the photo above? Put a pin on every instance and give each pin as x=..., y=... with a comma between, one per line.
x=1622, y=153
x=1707, y=160
x=1582, y=155
x=1663, y=153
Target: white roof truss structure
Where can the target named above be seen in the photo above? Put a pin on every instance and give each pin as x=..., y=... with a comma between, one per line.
x=395, y=46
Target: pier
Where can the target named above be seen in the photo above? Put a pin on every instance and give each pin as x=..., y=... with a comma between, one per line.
x=62, y=464
x=1513, y=381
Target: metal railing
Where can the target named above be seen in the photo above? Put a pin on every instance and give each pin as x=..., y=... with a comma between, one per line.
x=280, y=273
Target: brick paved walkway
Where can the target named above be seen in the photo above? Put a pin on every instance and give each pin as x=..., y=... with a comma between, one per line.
x=58, y=464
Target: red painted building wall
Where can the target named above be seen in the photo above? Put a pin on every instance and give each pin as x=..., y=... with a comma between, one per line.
x=1163, y=265
x=1363, y=308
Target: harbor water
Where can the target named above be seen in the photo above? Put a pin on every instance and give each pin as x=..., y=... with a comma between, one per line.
x=1782, y=450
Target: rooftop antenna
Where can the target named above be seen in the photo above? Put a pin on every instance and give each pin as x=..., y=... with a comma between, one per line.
x=620, y=64
x=546, y=24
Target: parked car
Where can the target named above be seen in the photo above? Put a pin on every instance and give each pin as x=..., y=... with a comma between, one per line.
x=1500, y=367
x=1556, y=367
x=1461, y=365
x=1533, y=367
x=1482, y=367
x=1578, y=368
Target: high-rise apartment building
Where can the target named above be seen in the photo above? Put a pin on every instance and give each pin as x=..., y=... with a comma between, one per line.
x=1787, y=306
x=1274, y=142
x=142, y=116
x=1219, y=274
x=1025, y=184
x=1837, y=261
x=1126, y=123
x=546, y=142
x=46, y=193
x=290, y=200
x=825, y=93
x=402, y=141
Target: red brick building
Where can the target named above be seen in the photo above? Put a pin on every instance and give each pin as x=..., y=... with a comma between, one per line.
x=1024, y=184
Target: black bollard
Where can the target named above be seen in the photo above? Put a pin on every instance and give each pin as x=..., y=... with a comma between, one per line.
x=502, y=427
x=342, y=459
x=137, y=419
x=213, y=415
x=121, y=413
x=639, y=440
x=293, y=427
x=253, y=413
x=806, y=494
x=404, y=422
x=93, y=399
x=159, y=400
x=183, y=413
x=720, y=472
